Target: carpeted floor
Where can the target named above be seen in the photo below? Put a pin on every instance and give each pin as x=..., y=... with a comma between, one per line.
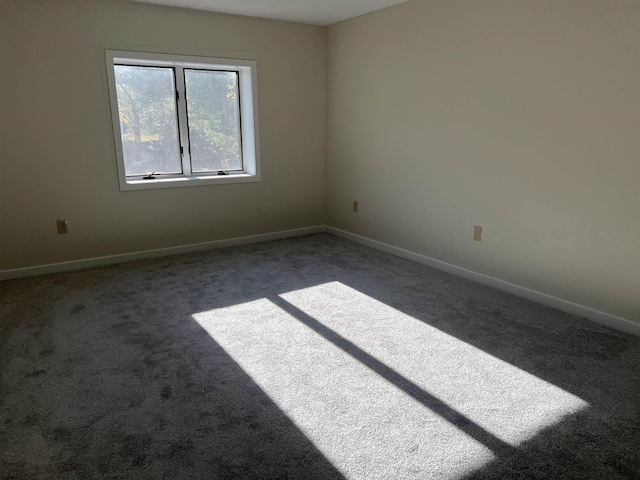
x=303, y=358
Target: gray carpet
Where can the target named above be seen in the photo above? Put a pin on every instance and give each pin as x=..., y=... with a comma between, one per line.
x=305, y=358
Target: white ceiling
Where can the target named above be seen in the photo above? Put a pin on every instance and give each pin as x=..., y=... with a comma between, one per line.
x=314, y=12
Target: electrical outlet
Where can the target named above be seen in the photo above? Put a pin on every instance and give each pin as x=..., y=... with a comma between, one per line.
x=63, y=227
x=355, y=206
x=477, y=233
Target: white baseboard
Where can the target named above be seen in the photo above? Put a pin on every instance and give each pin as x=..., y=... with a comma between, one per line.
x=603, y=318
x=612, y=321
x=160, y=252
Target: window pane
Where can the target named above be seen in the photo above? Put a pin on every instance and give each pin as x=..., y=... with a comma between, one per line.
x=213, y=111
x=148, y=119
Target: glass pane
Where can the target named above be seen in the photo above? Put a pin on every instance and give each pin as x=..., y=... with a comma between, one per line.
x=148, y=119
x=213, y=110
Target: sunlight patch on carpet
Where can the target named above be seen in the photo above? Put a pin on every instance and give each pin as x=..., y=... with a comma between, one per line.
x=331, y=362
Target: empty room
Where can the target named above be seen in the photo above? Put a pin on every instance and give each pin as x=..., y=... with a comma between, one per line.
x=302, y=239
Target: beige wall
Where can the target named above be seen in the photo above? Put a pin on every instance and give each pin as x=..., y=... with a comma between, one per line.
x=57, y=150
x=520, y=116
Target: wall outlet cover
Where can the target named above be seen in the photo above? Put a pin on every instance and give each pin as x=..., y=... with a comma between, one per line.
x=477, y=233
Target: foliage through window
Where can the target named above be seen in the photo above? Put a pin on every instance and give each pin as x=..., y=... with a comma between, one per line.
x=182, y=119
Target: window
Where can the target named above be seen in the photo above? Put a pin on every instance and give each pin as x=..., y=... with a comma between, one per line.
x=181, y=120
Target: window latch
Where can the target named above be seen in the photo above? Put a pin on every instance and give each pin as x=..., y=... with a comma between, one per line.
x=149, y=177
x=222, y=172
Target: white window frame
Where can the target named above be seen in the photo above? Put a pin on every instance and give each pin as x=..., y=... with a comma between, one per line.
x=247, y=85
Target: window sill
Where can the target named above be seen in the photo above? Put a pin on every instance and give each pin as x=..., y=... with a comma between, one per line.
x=192, y=181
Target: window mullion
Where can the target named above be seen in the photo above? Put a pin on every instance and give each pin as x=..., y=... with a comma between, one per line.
x=183, y=126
